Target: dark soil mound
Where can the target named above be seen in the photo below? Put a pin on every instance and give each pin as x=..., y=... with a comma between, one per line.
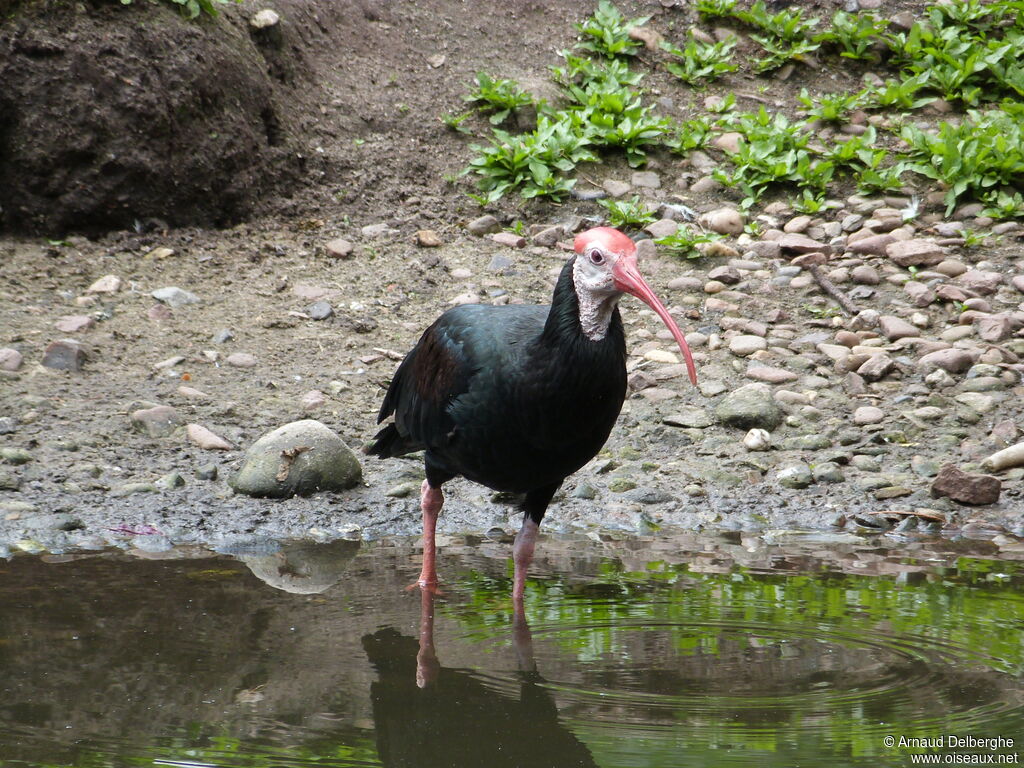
x=111, y=114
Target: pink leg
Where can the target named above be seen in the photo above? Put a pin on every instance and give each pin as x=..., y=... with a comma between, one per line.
x=522, y=556
x=427, y=665
x=431, y=500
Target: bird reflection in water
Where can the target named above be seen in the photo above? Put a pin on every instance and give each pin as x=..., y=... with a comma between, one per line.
x=430, y=716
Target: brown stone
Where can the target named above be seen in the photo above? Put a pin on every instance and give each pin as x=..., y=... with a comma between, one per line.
x=64, y=355
x=915, y=253
x=797, y=243
x=966, y=488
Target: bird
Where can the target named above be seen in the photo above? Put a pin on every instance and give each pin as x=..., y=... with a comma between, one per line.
x=518, y=397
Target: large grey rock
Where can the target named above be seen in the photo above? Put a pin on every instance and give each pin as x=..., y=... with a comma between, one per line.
x=748, y=407
x=300, y=458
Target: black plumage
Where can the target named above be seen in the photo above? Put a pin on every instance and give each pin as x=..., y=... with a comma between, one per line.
x=516, y=397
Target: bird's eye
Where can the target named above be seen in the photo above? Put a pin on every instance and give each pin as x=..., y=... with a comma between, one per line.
x=596, y=257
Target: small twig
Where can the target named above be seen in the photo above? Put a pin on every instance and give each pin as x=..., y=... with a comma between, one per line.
x=812, y=263
x=751, y=96
x=832, y=290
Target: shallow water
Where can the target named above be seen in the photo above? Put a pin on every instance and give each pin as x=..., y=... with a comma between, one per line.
x=678, y=650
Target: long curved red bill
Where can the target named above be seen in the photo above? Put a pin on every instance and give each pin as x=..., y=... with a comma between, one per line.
x=628, y=279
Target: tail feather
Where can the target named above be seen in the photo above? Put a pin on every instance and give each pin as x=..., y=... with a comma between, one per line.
x=389, y=443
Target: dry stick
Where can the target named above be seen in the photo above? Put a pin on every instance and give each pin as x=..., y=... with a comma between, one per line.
x=812, y=263
x=832, y=290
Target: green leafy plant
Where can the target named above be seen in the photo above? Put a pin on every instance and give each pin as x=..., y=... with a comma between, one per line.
x=830, y=107
x=192, y=8
x=502, y=96
x=685, y=241
x=700, y=62
x=603, y=72
x=975, y=157
x=716, y=9
x=607, y=32
x=455, y=121
x=854, y=34
x=689, y=135
x=627, y=213
x=773, y=150
x=532, y=162
x=809, y=202
x=902, y=94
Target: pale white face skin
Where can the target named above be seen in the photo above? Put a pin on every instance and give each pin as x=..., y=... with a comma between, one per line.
x=595, y=289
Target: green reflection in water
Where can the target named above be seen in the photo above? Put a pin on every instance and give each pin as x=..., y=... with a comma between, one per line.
x=799, y=661
x=927, y=652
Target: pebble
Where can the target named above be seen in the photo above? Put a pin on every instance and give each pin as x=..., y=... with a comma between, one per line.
x=980, y=281
x=924, y=466
x=339, y=248
x=205, y=439
x=175, y=297
x=827, y=472
x=428, y=238
x=158, y=421
x=374, y=231
x=876, y=367
x=10, y=359
x=797, y=224
x=691, y=418
x=509, y=239
x=920, y=294
x=949, y=360
x=951, y=267
x=662, y=228
x=800, y=244
x=320, y=310
x=745, y=345
x=757, y=440
x=865, y=275
x=241, y=360
x=661, y=356
x=64, y=355
x=484, y=225
x=207, y=472
x=549, y=236
x=616, y=188
x=749, y=406
x=106, y=284
x=865, y=463
x=646, y=179
x=724, y=221
x=871, y=245
x=312, y=400
x=896, y=328
x=915, y=253
x=770, y=375
x=797, y=477
x=868, y=414
x=74, y=323
x=965, y=488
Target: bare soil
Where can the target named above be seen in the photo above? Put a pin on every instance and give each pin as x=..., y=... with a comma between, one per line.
x=286, y=145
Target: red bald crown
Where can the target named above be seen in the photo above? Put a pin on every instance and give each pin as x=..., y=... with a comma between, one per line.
x=609, y=239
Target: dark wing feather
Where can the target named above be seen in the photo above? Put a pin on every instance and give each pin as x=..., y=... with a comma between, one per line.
x=463, y=343
x=433, y=373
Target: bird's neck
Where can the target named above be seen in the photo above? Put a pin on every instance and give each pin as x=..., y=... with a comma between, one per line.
x=578, y=314
x=595, y=307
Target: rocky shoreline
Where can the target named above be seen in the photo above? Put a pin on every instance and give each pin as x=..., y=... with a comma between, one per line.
x=128, y=400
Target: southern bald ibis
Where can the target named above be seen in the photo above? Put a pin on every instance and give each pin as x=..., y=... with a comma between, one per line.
x=519, y=397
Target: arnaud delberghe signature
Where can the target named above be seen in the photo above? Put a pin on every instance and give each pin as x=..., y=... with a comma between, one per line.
x=952, y=741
